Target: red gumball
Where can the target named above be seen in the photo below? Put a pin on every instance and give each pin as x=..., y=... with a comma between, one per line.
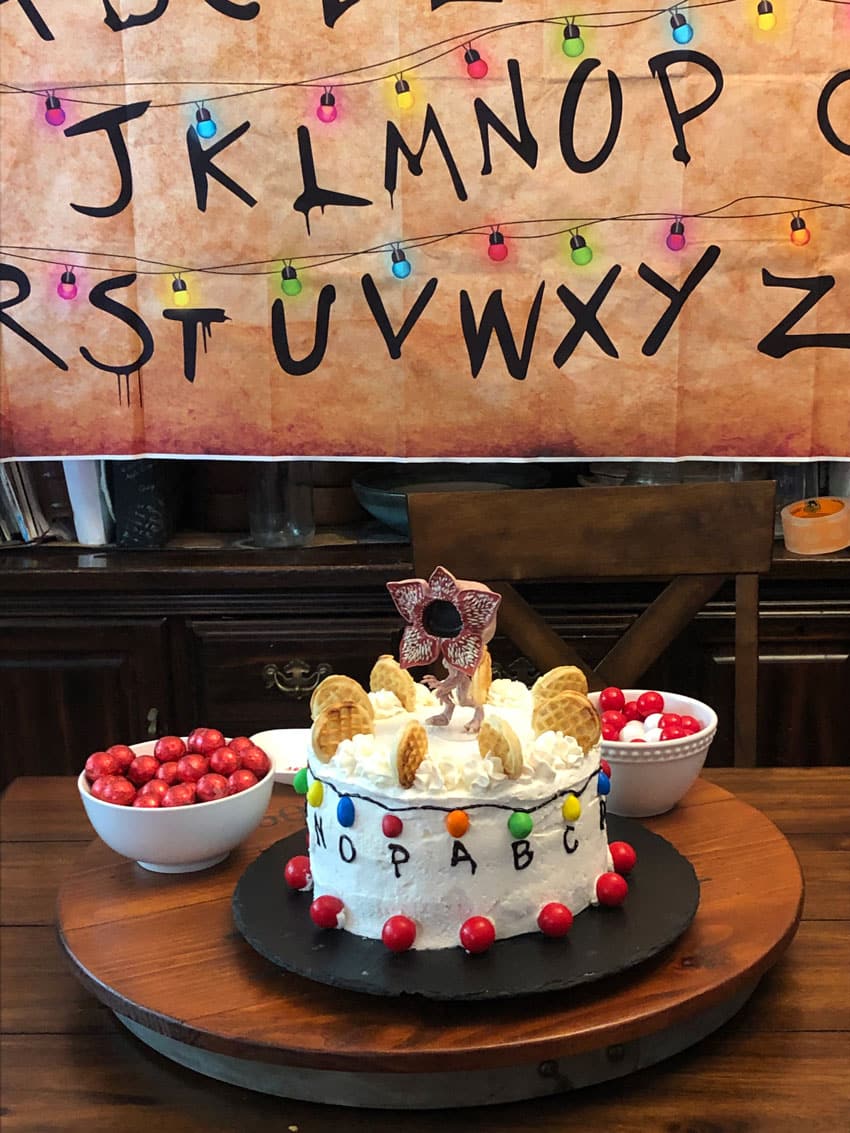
x=649, y=702
x=156, y=788
x=100, y=764
x=225, y=760
x=477, y=934
x=181, y=794
x=150, y=802
x=631, y=710
x=611, y=889
x=555, y=919
x=119, y=791
x=142, y=769
x=211, y=739
x=123, y=754
x=240, y=781
x=669, y=719
x=239, y=743
x=169, y=749
x=605, y=766
x=195, y=739
x=255, y=759
x=399, y=933
x=673, y=732
x=614, y=718
x=297, y=873
x=167, y=772
x=211, y=787
x=623, y=857
x=612, y=698
x=610, y=732
x=99, y=785
x=690, y=724
x=327, y=912
x=190, y=768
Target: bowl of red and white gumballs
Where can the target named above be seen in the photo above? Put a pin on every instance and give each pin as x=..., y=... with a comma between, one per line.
x=655, y=743
x=176, y=805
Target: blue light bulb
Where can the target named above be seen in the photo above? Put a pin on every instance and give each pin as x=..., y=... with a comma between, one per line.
x=682, y=30
x=401, y=264
x=204, y=124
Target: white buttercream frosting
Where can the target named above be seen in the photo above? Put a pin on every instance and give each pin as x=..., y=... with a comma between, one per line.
x=386, y=704
x=509, y=694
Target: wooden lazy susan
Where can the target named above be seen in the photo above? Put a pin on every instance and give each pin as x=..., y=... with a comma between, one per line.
x=163, y=952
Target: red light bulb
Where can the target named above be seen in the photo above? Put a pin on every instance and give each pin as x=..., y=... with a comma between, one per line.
x=498, y=249
x=476, y=67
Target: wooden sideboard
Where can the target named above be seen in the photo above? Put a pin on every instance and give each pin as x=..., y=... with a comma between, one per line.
x=114, y=646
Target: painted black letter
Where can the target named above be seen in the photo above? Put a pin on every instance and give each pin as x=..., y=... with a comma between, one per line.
x=346, y=848
x=395, y=341
x=114, y=21
x=319, y=832
x=586, y=319
x=461, y=854
x=35, y=18
x=398, y=856
x=190, y=317
x=396, y=143
x=678, y=297
x=494, y=319
x=280, y=339
x=10, y=273
x=524, y=144
x=778, y=342
x=111, y=121
x=99, y=298
x=570, y=847
x=826, y=126
x=313, y=195
x=658, y=66
x=523, y=854
x=333, y=9
x=569, y=109
x=201, y=161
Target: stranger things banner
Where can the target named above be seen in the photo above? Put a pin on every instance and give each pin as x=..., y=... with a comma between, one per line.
x=456, y=228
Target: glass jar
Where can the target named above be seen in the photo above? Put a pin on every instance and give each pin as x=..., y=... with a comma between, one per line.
x=280, y=503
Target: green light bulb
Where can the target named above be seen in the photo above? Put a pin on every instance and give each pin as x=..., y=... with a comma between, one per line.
x=573, y=44
x=580, y=253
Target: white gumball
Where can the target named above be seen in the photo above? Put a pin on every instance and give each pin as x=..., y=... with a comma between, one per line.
x=652, y=721
x=652, y=735
x=632, y=731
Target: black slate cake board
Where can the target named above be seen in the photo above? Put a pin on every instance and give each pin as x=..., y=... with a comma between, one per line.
x=603, y=942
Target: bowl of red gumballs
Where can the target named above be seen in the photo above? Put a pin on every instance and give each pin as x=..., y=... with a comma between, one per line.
x=176, y=805
x=655, y=744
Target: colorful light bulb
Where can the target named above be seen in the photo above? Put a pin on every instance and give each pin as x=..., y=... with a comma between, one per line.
x=53, y=112
x=498, y=249
x=180, y=293
x=766, y=17
x=476, y=67
x=580, y=253
x=290, y=284
x=404, y=95
x=573, y=44
x=682, y=30
x=401, y=264
x=676, y=237
x=204, y=123
x=67, y=288
x=800, y=235
x=326, y=111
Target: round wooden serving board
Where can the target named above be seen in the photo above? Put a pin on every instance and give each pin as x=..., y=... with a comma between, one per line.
x=163, y=952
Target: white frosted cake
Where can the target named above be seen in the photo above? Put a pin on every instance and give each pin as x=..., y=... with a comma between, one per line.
x=413, y=866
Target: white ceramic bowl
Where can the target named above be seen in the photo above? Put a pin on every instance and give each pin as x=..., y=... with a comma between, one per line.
x=177, y=839
x=650, y=778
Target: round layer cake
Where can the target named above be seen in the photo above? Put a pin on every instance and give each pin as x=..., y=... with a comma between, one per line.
x=465, y=840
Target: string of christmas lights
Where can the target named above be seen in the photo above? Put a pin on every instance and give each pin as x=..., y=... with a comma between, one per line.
x=498, y=245
x=395, y=70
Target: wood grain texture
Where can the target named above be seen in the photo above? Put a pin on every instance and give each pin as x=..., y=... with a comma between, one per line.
x=67, y=1065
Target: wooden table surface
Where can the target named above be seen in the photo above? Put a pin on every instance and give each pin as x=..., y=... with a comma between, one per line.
x=67, y=1064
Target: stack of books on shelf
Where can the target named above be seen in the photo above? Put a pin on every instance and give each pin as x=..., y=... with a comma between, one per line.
x=34, y=502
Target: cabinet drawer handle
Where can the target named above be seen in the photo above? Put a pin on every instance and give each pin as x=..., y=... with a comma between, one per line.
x=153, y=721
x=295, y=679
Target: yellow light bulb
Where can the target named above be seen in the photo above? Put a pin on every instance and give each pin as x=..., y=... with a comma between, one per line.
x=406, y=100
x=766, y=17
x=181, y=298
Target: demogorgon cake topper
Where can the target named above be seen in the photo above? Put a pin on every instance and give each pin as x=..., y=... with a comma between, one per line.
x=451, y=619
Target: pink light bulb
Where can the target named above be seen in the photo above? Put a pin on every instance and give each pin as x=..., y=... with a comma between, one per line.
x=676, y=237
x=326, y=111
x=53, y=112
x=67, y=288
x=476, y=67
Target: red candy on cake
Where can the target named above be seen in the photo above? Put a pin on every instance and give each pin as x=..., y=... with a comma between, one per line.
x=399, y=933
x=477, y=934
x=623, y=856
x=297, y=873
x=611, y=889
x=555, y=919
x=327, y=912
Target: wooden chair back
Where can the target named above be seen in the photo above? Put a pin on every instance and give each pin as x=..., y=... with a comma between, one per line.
x=694, y=536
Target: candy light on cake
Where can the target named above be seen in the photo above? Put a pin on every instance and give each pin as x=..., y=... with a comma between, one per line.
x=460, y=810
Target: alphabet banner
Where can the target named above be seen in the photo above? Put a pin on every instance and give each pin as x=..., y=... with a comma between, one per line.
x=425, y=228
